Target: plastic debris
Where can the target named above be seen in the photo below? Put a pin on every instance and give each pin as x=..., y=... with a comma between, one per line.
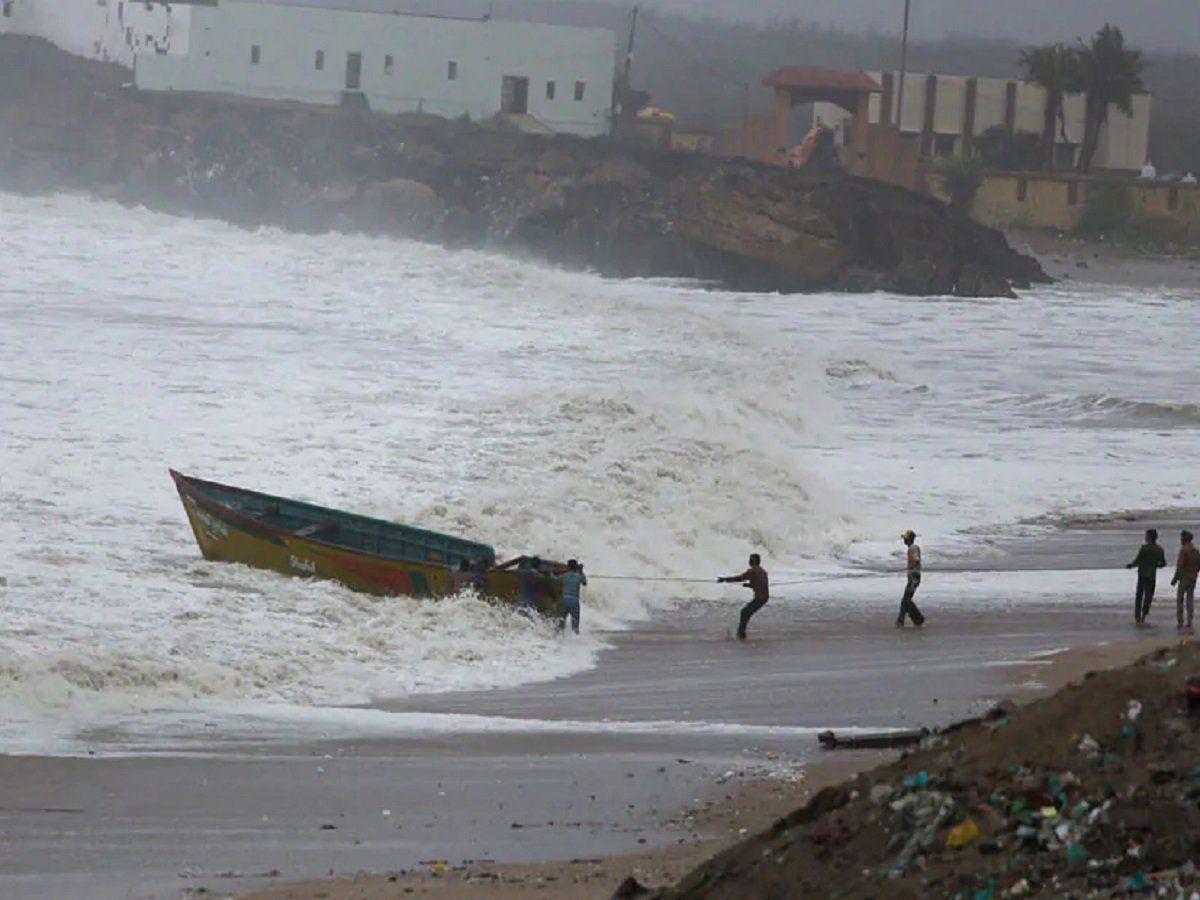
x=963, y=834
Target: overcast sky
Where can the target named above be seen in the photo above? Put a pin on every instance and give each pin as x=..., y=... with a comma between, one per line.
x=1159, y=24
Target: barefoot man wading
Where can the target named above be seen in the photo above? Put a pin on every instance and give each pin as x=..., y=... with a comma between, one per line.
x=754, y=578
x=913, y=569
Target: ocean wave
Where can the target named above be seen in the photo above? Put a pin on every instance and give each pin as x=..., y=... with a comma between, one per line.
x=544, y=412
x=859, y=369
x=1107, y=410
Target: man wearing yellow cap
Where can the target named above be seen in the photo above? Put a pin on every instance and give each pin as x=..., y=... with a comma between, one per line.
x=907, y=607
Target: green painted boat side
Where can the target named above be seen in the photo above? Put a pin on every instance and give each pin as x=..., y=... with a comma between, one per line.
x=365, y=554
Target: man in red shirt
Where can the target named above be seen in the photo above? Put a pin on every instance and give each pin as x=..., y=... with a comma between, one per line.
x=754, y=578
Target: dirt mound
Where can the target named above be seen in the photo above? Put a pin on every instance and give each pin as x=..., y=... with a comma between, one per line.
x=1094, y=791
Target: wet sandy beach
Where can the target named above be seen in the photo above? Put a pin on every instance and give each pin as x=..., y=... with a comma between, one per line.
x=611, y=761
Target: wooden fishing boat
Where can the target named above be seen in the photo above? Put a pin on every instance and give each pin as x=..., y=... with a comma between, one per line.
x=365, y=554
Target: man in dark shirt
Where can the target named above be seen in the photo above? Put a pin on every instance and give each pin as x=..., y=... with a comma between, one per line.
x=1150, y=558
x=754, y=578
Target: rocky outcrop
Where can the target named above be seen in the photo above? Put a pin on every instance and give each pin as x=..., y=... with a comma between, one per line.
x=589, y=204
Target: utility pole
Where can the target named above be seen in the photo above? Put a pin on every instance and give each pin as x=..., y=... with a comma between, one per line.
x=903, y=70
x=629, y=49
x=622, y=88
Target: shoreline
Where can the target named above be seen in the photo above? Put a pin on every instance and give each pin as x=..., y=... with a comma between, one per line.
x=722, y=821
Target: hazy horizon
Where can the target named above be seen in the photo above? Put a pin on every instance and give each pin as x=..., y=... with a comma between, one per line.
x=1153, y=24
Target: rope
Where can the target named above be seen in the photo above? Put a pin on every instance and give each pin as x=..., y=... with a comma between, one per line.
x=649, y=578
x=681, y=580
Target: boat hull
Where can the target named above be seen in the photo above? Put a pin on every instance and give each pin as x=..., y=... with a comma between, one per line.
x=226, y=535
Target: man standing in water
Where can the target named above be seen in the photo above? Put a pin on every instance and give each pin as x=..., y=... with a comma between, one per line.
x=572, y=580
x=1187, y=568
x=913, y=569
x=754, y=578
x=1150, y=558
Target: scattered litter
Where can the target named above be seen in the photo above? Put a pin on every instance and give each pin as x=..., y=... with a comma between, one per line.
x=962, y=835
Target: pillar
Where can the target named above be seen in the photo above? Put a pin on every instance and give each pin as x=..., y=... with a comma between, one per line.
x=780, y=125
x=930, y=112
x=860, y=134
x=968, y=125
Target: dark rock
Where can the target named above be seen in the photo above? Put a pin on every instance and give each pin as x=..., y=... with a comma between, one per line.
x=630, y=887
x=583, y=203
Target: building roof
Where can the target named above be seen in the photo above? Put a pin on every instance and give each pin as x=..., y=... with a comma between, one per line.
x=807, y=77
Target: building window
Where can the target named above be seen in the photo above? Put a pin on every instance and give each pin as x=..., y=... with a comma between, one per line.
x=580, y=87
x=944, y=145
x=8, y=9
x=1073, y=192
x=320, y=61
x=1022, y=189
x=549, y=90
x=452, y=71
x=389, y=64
x=255, y=54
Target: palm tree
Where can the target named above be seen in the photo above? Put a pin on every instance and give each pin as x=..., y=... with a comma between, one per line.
x=1110, y=75
x=1055, y=69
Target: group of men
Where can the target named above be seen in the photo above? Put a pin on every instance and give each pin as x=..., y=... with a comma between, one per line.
x=757, y=580
x=1150, y=558
x=533, y=580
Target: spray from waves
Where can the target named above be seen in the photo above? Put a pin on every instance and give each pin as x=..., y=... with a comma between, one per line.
x=685, y=480
x=1103, y=410
x=231, y=634
x=639, y=427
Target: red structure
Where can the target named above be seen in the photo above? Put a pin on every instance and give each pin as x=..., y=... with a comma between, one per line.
x=849, y=90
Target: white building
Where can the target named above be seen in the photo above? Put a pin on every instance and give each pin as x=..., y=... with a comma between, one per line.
x=940, y=111
x=107, y=30
x=561, y=77
x=554, y=77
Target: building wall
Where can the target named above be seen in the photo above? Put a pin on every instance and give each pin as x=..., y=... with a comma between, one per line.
x=1123, y=138
x=108, y=30
x=1123, y=144
x=422, y=50
x=1042, y=200
x=991, y=100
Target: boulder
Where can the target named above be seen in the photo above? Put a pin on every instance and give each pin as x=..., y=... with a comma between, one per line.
x=398, y=206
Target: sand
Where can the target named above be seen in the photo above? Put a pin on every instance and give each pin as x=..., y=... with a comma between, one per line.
x=749, y=810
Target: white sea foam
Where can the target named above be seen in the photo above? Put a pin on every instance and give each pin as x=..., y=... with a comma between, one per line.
x=648, y=428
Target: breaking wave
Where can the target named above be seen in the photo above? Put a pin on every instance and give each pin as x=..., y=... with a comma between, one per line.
x=1106, y=410
x=542, y=411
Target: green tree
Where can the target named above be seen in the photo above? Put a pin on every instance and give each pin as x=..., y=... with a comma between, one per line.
x=1110, y=75
x=1054, y=68
x=962, y=176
